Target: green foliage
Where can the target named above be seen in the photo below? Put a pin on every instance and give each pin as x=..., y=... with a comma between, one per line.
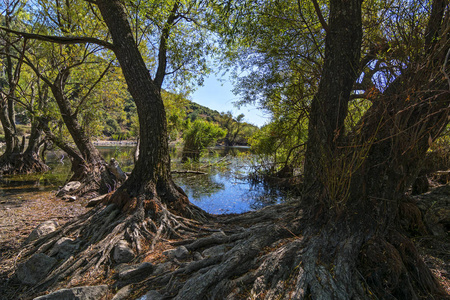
x=175, y=112
x=238, y=132
x=281, y=142
x=199, y=135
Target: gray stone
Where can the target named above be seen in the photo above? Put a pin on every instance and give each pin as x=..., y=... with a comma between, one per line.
x=123, y=293
x=136, y=270
x=42, y=229
x=214, y=251
x=219, y=235
x=152, y=295
x=69, y=198
x=122, y=253
x=63, y=248
x=35, y=268
x=162, y=268
x=69, y=187
x=77, y=293
x=180, y=253
x=94, y=201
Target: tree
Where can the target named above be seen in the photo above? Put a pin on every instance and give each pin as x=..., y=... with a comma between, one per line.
x=199, y=135
x=142, y=207
x=16, y=159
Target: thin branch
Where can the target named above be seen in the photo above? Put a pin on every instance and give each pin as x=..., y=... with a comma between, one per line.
x=91, y=89
x=61, y=39
x=319, y=14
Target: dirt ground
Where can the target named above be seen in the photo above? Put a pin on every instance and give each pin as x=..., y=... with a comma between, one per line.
x=20, y=213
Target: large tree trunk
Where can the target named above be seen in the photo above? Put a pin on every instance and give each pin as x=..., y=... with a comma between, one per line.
x=151, y=177
x=355, y=183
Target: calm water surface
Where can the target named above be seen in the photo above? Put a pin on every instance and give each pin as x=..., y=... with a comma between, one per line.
x=224, y=189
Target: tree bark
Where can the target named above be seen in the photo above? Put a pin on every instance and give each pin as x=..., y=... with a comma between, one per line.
x=354, y=183
x=151, y=174
x=330, y=104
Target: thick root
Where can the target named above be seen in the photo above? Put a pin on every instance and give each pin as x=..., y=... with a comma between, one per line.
x=93, y=240
x=267, y=254
x=272, y=260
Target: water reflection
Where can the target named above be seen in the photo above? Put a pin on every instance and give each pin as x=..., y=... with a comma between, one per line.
x=224, y=189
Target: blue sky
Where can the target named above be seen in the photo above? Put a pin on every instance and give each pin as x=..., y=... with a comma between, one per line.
x=218, y=95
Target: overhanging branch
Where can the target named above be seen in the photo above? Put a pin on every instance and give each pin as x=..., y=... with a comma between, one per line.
x=61, y=39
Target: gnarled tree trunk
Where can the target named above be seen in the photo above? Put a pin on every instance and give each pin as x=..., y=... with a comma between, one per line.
x=150, y=178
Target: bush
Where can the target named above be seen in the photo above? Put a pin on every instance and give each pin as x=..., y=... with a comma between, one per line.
x=199, y=135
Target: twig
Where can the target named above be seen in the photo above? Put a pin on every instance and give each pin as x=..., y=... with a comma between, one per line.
x=188, y=171
x=444, y=66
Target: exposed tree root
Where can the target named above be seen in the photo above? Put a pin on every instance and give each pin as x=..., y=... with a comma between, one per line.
x=21, y=163
x=266, y=254
x=280, y=259
x=94, y=236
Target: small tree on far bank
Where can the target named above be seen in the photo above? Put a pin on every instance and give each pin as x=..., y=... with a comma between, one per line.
x=199, y=135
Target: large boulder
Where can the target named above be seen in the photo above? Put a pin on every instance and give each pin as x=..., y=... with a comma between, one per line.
x=35, y=268
x=42, y=229
x=77, y=293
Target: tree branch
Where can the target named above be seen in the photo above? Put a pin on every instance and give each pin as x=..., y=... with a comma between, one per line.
x=61, y=39
x=319, y=14
x=162, y=53
x=91, y=89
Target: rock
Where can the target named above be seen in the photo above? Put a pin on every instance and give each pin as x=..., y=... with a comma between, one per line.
x=132, y=271
x=63, y=248
x=77, y=293
x=122, y=253
x=123, y=293
x=94, y=201
x=214, y=251
x=152, y=295
x=69, y=187
x=180, y=253
x=162, y=268
x=42, y=229
x=69, y=198
x=35, y=268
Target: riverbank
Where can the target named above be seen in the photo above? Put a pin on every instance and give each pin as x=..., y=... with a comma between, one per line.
x=104, y=143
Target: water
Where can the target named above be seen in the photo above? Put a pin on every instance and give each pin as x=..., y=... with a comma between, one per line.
x=224, y=189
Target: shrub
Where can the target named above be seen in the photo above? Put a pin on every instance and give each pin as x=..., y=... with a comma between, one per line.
x=199, y=135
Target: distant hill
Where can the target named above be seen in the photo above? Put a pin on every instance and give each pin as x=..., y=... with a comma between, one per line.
x=195, y=110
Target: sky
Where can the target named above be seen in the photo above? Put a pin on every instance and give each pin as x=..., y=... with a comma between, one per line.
x=218, y=95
